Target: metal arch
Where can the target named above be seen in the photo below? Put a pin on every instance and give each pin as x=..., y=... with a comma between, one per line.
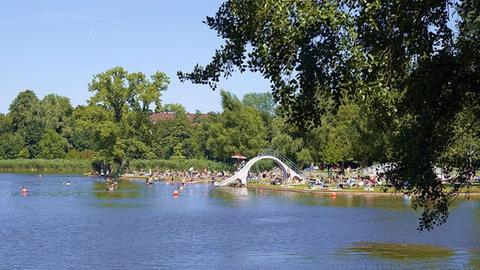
x=242, y=174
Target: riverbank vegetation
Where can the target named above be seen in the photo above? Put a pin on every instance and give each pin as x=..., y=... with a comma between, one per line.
x=45, y=165
x=85, y=165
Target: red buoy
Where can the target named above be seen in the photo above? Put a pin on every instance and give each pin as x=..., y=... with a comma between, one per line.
x=176, y=193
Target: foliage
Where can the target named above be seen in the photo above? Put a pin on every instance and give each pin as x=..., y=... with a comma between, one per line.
x=263, y=102
x=238, y=129
x=52, y=145
x=129, y=96
x=45, y=165
x=56, y=112
x=10, y=145
x=5, y=123
x=26, y=114
x=119, y=91
x=400, y=59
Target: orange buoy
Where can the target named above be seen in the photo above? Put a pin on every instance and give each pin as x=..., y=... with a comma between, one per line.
x=176, y=193
x=333, y=194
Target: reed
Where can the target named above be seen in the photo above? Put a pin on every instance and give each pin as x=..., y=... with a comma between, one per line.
x=85, y=165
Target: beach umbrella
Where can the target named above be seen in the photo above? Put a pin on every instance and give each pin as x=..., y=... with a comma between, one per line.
x=239, y=157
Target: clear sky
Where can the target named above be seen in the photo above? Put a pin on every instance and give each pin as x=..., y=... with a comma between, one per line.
x=57, y=46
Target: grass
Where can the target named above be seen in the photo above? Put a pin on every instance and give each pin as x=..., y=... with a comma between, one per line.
x=44, y=165
x=402, y=252
x=85, y=165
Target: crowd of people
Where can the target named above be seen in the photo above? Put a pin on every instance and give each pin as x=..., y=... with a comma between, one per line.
x=190, y=175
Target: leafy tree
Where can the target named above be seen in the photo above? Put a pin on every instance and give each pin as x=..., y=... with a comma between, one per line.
x=173, y=137
x=237, y=129
x=27, y=120
x=400, y=58
x=129, y=96
x=287, y=140
x=56, y=112
x=10, y=145
x=52, y=145
x=263, y=102
x=24, y=109
x=120, y=91
x=6, y=124
x=85, y=126
x=174, y=108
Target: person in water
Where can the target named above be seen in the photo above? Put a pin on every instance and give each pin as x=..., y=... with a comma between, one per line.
x=24, y=190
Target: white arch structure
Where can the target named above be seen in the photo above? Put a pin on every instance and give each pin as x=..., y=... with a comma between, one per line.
x=242, y=174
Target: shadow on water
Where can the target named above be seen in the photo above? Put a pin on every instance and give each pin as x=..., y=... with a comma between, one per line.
x=475, y=259
x=125, y=190
x=120, y=198
x=400, y=251
x=230, y=196
x=388, y=202
x=234, y=196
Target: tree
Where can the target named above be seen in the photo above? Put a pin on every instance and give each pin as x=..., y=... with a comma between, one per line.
x=6, y=124
x=263, y=102
x=10, y=145
x=120, y=91
x=26, y=114
x=52, y=145
x=237, y=129
x=414, y=75
x=173, y=137
x=56, y=112
x=287, y=140
x=24, y=109
x=130, y=97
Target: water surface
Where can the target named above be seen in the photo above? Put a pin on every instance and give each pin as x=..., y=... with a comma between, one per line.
x=144, y=227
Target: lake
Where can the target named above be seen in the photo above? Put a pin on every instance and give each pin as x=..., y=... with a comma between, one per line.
x=81, y=226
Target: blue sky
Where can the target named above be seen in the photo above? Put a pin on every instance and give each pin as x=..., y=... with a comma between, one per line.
x=57, y=46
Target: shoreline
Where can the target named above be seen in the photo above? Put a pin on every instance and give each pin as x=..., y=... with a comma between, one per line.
x=341, y=192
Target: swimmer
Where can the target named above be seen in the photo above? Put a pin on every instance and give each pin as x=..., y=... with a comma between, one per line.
x=67, y=183
x=24, y=190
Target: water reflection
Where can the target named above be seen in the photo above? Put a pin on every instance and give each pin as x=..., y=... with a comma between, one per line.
x=389, y=202
x=230, y=196
x=125, y=190
x=401, y=251
x=257, y=229
x=475, y=259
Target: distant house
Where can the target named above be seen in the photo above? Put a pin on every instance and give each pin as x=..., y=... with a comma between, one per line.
x=167, y=116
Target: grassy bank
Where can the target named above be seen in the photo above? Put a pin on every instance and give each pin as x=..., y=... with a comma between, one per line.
x=44, y=165
x=85, y=165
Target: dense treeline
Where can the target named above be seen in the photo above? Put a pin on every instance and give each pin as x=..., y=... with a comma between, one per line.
x=116, y=127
